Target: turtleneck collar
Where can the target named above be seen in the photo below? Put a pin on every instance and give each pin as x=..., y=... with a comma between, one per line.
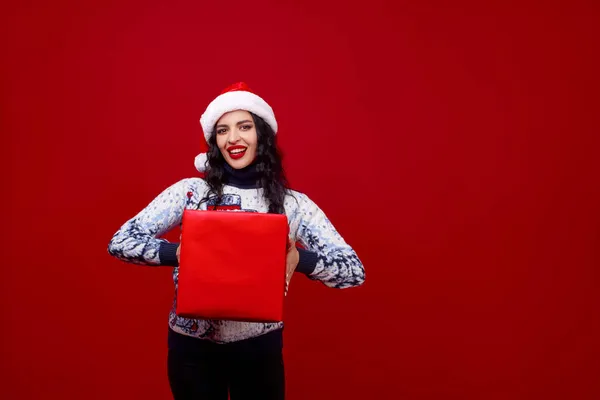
x=245, y=178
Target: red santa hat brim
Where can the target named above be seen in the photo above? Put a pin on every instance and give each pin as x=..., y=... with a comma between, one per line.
x=232, y=101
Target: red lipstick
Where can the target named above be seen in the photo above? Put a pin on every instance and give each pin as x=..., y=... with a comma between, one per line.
x=237, y=154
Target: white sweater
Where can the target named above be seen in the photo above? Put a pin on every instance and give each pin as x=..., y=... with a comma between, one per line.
x=138, y=241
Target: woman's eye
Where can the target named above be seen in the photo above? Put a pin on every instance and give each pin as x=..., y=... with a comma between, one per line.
x=221, y=131
x=246, y=127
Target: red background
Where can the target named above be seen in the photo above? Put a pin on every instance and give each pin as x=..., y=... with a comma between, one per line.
x=451, y=144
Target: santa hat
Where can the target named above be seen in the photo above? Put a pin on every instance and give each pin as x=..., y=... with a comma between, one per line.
x=236, y=97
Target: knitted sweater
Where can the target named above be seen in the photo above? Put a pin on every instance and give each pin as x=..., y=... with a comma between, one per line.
x=326, y=257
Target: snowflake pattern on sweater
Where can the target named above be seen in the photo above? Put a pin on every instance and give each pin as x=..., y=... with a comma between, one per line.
x=138, y=241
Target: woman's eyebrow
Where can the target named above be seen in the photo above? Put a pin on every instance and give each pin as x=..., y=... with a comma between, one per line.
x=237, y=123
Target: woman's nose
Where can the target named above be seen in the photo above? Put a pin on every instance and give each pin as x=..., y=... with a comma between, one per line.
x=234, y=136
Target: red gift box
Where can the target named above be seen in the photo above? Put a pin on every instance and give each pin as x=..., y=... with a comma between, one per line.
x=232, y=266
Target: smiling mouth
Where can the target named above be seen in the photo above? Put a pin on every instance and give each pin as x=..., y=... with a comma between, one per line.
x=237, y=153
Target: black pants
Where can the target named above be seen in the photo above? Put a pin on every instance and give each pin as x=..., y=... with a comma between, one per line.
x=249, y=369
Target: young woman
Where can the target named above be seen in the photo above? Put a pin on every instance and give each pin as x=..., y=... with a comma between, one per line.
x=243, y=171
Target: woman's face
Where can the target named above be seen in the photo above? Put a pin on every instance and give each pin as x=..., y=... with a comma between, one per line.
x=236, y=138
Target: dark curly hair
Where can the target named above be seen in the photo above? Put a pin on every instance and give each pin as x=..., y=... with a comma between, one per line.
x=269, y=166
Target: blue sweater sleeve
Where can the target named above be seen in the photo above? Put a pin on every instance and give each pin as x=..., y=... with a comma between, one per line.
x=333, y=261
x=138, y=242
x=308, y=261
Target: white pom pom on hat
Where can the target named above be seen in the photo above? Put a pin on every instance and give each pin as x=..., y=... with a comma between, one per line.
x=236, y=97
x=200, y=162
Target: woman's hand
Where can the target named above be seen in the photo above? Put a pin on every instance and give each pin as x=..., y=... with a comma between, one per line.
x=179, y=248
x=292, y=259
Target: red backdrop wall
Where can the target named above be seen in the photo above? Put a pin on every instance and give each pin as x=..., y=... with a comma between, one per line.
x=452, y=145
